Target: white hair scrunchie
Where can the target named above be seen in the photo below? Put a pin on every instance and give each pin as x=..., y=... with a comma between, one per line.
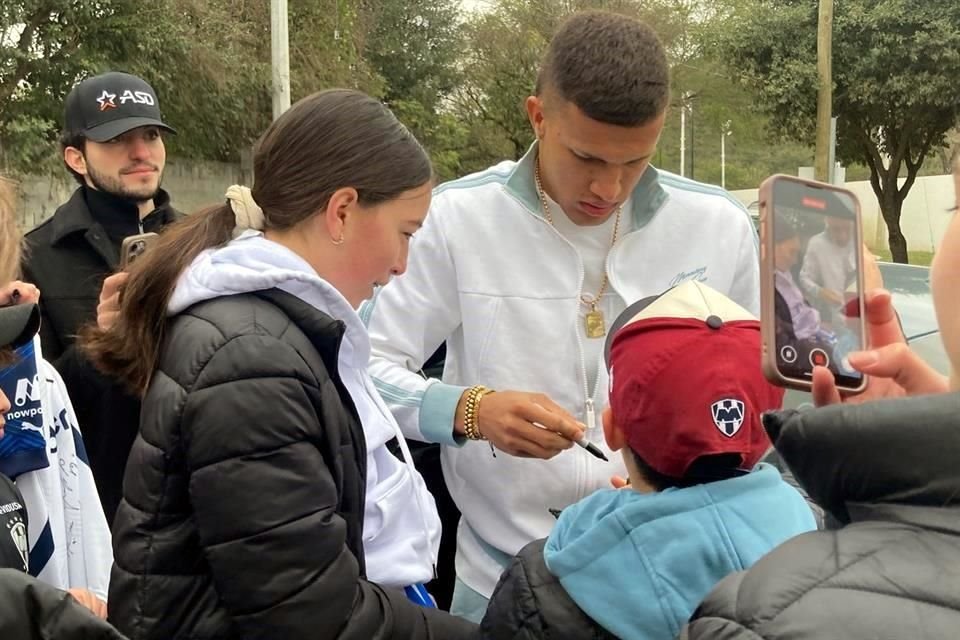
x=246, y=211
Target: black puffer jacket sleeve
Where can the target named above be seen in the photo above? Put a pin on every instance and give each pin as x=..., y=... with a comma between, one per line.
x=33, y=610
x=716, y=619
x=311, y=586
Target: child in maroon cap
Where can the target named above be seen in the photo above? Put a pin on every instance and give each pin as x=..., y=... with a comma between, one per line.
x=686, y=396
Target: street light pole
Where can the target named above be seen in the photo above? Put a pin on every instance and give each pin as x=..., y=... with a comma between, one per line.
x=683, y=136
x=692, y=141
x=280, y=54
x=723, y=153
x=685, y=103
x=825, y=91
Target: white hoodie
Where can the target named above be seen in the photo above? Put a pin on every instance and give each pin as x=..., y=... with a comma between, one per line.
x=401, y=528
x=70, y=544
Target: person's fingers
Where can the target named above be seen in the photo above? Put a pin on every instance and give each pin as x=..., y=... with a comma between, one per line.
x=883, y=328
x=29, y=294
x=552, y=417
x=23, y=293
x=106, y=309
x=520, y=429
x=527, y=424
x=112, y=285
x=899, y=363
x=526, y=440
x=85, y=598
x=6, y=293
x=106, y=319
x=824, y=390
x=872, y=277
x=19, y=292
x=533, y=450
x=503, y=425
x=619, y=482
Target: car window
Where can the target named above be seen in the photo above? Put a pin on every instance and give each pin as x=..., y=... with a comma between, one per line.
x=910, y=287
x=930, y=348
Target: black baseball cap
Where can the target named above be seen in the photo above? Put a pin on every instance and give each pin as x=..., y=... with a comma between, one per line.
x=106, y=106
x=18, y=324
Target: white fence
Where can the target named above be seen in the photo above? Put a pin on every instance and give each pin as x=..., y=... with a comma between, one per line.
x=923, y=221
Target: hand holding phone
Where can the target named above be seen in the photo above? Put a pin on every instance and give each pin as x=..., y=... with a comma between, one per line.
x=108, y=308
x=811, y=291
x=894, y=369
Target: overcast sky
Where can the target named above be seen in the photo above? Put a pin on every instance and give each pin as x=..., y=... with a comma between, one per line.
x=475, y=5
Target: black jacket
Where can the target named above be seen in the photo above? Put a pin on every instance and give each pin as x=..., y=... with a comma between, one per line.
x=14, y=547
x=243, y=500
x=888, y=472
x=529, y=603
x=67, y=257
x=33, y=610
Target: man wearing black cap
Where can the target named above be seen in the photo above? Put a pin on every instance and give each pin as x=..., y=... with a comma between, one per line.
x=112, y=144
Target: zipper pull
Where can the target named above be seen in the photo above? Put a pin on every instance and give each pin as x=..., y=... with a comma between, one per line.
x=591, y=415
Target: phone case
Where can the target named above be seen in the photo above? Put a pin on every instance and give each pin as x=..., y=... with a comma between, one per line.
x=127, y=256
x=767, y=291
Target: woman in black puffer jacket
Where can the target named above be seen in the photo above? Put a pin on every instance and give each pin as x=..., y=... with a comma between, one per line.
x=243, y=512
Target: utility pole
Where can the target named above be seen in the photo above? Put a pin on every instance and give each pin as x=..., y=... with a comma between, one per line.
x=723, y=153
x=832, y=157
x=683, y=135
x=692, y=140
x=685, y=103
x=825, y=91
x=280, y=53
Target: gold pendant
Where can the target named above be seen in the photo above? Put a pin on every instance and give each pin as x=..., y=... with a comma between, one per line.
x=596, y=327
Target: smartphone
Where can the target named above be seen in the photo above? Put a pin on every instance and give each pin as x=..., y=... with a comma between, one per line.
x=811, y=282
x=133, y=246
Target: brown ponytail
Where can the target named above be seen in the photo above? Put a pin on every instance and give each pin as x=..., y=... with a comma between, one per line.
x=329, y=140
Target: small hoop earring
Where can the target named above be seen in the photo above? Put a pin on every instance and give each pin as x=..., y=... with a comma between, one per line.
x=337, y=242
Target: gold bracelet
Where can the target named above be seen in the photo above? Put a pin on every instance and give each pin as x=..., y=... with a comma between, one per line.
x=470, y=418
x=471, y=415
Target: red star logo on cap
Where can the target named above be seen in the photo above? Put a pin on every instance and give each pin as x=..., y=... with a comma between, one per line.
x=106, y=100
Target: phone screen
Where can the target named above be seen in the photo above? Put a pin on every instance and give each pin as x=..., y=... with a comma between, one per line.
x=816, y=255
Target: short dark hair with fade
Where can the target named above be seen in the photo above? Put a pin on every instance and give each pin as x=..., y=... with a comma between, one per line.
x=705, y=469
x=611, y=66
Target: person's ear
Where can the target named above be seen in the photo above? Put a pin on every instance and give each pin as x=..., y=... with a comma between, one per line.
x=75, y=159
x=534, y=106
x=338, y=211
x=614, y=436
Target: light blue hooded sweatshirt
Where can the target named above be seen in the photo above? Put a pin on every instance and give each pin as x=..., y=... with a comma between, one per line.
x=639, y=564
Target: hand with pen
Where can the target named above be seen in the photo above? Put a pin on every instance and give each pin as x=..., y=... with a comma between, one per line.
x=527, y=425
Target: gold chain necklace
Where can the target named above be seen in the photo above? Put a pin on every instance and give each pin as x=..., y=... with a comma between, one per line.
x=594, y=322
